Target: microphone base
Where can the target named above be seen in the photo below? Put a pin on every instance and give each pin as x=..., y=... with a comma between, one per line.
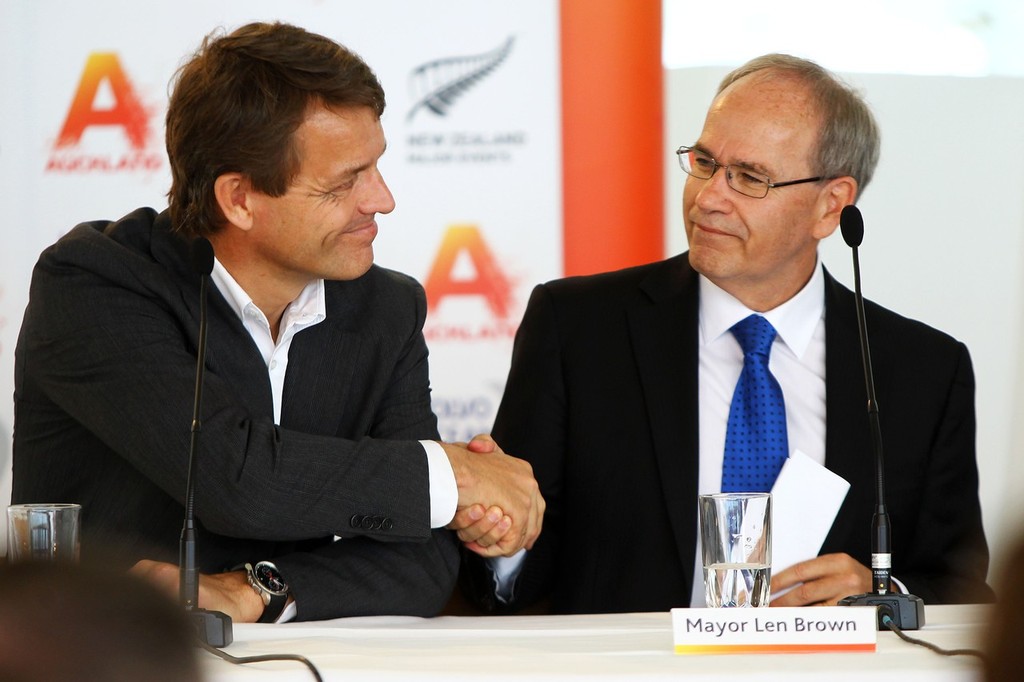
x=905, y=610
x=212, y=627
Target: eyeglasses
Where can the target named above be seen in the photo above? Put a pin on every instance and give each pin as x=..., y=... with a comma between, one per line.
x=745, y=181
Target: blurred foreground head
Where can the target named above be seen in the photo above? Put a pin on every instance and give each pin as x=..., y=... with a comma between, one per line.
x=74, y=622
x=1005, y=662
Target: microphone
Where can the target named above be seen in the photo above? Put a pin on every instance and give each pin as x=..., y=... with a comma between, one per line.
x=906, y=611
x=212, y=627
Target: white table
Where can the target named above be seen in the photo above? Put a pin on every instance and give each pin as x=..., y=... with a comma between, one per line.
x=636, y=646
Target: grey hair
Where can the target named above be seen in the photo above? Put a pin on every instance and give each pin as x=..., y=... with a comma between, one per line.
x=849, y=140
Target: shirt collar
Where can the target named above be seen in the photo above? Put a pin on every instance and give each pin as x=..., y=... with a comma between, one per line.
x=309, y=307
x=795, y=320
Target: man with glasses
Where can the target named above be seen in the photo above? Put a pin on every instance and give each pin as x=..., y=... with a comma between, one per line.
x=623, y=384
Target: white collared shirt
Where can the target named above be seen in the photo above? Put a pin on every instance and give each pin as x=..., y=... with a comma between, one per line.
x=310, y=308
x=797, y=361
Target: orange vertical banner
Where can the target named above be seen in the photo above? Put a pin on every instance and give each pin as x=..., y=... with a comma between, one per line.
x=612, y=134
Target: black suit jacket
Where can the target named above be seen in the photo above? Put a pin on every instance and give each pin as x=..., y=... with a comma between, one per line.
x=104, y=381
x=602, y=400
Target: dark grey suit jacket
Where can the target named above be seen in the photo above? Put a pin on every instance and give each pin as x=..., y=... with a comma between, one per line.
x=104, y=381
x=602, y=400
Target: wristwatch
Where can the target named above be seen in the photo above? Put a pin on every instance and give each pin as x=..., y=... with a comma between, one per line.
x=266, y=580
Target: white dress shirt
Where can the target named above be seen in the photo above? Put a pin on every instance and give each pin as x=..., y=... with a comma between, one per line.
x=797, y=361
x=308, y=309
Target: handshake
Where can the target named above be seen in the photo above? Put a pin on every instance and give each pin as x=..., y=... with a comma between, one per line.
x=500, y=508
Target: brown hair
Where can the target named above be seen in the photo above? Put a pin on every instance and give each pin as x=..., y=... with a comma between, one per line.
x=237, y=103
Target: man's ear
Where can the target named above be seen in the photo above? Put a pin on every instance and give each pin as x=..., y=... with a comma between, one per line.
x=838, y=194
x=233, y=196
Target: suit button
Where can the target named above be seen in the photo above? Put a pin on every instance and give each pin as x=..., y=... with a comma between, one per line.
x=356, y=521
x=367, y=523
x=387, y=524
x=377, y=522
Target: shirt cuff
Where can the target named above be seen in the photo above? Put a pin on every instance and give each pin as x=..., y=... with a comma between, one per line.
x=444, y=494
x=506, y=569
x=901, y=588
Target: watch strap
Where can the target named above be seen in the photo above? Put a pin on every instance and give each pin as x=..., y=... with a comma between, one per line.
x=273, y=610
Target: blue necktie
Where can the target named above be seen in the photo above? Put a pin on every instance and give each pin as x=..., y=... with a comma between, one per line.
x=756, y=445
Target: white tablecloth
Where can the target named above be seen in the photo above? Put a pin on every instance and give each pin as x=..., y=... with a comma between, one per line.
x=631, y=647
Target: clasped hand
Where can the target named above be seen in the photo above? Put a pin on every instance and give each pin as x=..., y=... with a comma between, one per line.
x=500, y=508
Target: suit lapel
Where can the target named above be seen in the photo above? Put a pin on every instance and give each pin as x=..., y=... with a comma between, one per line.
x=317, y=384
x=663, y=328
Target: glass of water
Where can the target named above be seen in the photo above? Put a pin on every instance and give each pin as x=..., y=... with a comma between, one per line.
x=736, y=537
x=43, y=532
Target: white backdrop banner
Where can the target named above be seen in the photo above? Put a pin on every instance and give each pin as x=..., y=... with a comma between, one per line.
x=473, y=129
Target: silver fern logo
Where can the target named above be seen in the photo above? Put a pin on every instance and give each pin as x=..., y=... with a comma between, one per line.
x=437, y=84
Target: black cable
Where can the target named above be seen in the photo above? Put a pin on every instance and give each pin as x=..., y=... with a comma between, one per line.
x=241, y=660
x=888, y=622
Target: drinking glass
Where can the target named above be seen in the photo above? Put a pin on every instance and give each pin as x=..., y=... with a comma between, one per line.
x=736, y=544
x=43, y=532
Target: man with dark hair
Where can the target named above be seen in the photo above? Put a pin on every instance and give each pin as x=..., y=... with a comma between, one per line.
x=320, y=476
x=624, y=385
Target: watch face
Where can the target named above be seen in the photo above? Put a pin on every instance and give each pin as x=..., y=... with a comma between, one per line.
x=268, y=576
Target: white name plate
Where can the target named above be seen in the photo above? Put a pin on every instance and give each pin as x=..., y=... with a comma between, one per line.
x=775, y=630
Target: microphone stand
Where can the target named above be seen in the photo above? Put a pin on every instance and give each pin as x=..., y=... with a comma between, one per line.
x=905, y=611
x=212, y=627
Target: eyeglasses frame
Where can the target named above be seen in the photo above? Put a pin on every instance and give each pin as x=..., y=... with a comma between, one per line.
x=683, y=149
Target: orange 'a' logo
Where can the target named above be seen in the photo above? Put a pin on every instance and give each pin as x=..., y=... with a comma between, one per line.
x=127, y=111
x=489, y=280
